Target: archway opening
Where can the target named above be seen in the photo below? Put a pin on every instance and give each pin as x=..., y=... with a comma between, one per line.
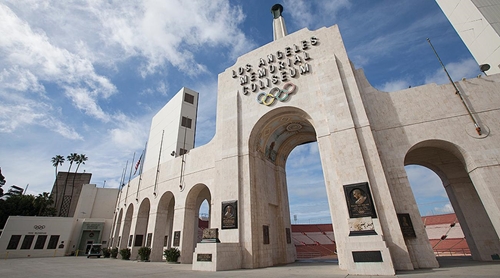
x=447, y=161
x=203, y=219
x=271, y=145
x=312, y=232
x=142, y=237
x=441, y=224
x=190, y=233
x=162, y=235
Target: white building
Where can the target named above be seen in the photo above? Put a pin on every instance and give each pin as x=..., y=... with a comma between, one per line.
x=32, y=236
x=477, y=22
x=301, y=88
x=175, y=123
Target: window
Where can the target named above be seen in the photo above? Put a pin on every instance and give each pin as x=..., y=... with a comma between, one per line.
x=27, y=241
x=53, y=242
x=186, y=122
x=14, y=242
x=40, y=241
x=131, y=237
x=189, y=98
x=138, y=240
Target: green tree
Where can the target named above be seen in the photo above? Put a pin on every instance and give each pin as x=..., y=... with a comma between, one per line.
x=71, y=158
x=57, y=160
x=80, y=159
x=26, y=205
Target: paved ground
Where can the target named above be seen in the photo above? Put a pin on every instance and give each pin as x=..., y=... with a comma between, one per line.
x=93, y=267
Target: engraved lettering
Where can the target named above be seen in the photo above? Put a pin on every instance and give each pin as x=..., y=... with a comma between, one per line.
x=306, y=56
x=243, y=80
x=279, y=55
x=293, y=72
x=275, y=79
x=234, y=74
x=253, y=76
x=261, y=72
x=314, y=40
x=288, y=51
x=249, y=67
x=304, y=45
x=283, y=76
x=270, y=58
x=272, y=68
x=304, y=69
x=296, y=48
x=282, y=65
x=261, y=62
x=297, y=60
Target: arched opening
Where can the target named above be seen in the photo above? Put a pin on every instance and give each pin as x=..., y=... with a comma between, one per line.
x=196, y=196
x=447, y=161
x=126, y=239
x=162, y=235
x=312, y=232
x=203, y=219
x=118, y=223
x=141, y=237
x=272, y=140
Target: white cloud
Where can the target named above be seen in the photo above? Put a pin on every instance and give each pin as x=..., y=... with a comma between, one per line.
x=447, y=208
x=424, y=182
x=467, y=68
x=306, y=13
x=395, y=85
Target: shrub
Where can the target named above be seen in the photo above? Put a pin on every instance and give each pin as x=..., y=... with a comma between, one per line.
x=106, y=252
x=144, y=253
x=114, y=252
x=172, y=254
x=125, y=253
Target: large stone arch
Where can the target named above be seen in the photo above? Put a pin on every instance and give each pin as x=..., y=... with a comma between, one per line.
x=117, y=225
x=127, y=223
x=141, y=225
x=162, y=235
x=271, y=140
x=450, y=163
x=195, y=197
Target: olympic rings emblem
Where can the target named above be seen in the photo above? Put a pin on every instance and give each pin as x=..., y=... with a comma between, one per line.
x=276, y=94
x=39, y=227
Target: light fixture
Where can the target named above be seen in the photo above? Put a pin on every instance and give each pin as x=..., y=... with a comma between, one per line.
x=172, y=153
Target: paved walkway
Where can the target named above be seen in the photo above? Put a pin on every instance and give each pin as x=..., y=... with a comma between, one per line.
x=93, y=267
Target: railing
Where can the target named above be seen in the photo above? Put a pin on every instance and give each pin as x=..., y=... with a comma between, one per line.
x=452, y=252
x=308, y=255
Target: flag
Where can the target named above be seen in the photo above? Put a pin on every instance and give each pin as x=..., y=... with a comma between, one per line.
x=137, y=164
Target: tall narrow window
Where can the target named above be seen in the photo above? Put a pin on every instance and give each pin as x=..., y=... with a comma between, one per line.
x=186, y=122
x=53, y=242
x=40, y=241
x=189, y=98
x=27, y=241
x=14, y=242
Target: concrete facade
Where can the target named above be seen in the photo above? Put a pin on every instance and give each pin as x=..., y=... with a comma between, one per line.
x=303, y=88
x=66, y=192
x=477, y=22
x=62, y=236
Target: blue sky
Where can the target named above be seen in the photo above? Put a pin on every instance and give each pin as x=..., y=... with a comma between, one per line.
x=87, y=76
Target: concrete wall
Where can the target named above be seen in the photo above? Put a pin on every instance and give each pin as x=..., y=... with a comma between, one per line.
x=477, y=22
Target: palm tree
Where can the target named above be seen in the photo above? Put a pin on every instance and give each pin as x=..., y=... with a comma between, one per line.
x=81, y=158
x=57, y=160
x=71, y=158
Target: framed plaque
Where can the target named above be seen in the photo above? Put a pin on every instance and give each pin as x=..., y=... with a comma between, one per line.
x=229, y=215
x=359, y=200
x=406, y=225
x=177, y=238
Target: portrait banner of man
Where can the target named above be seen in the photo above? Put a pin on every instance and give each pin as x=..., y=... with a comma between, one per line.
x=229, y=215
x=359, y=200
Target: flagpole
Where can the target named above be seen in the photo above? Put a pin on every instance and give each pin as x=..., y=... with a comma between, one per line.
x=141, y=159
x=476, y=124
x=129, y=177
x=158, y=165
